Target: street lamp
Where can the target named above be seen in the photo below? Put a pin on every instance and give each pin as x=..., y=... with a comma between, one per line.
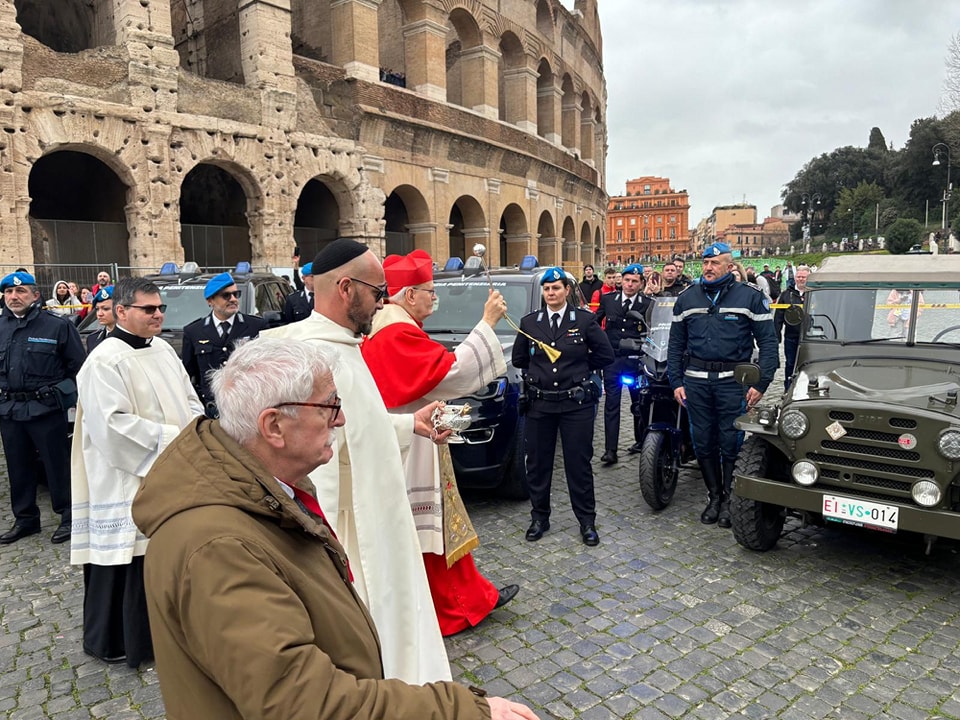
x=810, y=204
x=939, y=150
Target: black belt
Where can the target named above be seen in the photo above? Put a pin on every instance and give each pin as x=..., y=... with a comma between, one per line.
x=577, y=393
x=714, y=365
x=6, y=395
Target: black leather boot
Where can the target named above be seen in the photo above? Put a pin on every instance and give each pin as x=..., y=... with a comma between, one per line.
x=710, y=469
x=726, y=480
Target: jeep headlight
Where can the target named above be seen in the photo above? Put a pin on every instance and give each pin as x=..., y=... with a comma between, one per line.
x=794, y=424
x=949, y=444
x=804, y=472
x=926, y=493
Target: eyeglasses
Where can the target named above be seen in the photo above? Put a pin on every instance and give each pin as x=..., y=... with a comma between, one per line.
x=433, y=293
x=380, y=290
x=330, y=406
x=150, y=309
x=226, y=294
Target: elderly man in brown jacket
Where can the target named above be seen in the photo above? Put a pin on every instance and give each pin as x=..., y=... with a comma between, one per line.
x=252, y=609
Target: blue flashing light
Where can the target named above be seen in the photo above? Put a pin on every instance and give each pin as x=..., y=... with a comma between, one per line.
x=242, y=268
x=529, y=262
x=628, y=380
x=168, y=268
x=453, y=264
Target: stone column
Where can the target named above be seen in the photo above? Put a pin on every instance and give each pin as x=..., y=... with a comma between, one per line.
x=144, y=30
x=520, y=97
x=478, y=70
x=518, y=245
x=549, y=251
x=267, y=59
x=587, y=128
x=552, y=117
x=356, y=45
x=425, y=238
x=570, y=113
x=425, y=55
x=15, y=246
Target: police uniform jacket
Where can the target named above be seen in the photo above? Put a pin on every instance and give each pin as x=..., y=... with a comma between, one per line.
x=790, y=296
x=37, y=352
x=618, y=326
x=94, y=339
x=204, y=350
x=297, y=306
x=673, y=290
x=563, y=385
x=717, y=325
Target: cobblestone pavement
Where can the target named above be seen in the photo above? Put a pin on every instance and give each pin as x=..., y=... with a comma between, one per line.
x=667, y=618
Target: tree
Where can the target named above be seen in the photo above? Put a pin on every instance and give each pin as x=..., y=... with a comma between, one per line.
x=877, y=141
x=950, y=100
x=903, y=235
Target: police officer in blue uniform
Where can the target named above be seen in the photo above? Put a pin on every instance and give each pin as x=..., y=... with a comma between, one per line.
x=618, y=309
x=210, y=340
x=40, y=354
x=299, y=304
x=103, y=308
x=562, y=399
x=714, y=326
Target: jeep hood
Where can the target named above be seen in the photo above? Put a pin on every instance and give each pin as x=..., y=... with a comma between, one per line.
x=888, y=381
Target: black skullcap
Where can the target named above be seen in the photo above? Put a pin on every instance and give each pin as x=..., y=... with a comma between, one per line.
x=336, y=254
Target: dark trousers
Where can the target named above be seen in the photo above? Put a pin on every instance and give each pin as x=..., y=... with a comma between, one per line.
x=612, y=388
x=575, y=428
x=712, y=406
x=22, y=440
x=790, y=347
x=115, y=622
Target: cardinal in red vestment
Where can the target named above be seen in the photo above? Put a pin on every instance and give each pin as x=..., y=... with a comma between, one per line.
x=410, y=369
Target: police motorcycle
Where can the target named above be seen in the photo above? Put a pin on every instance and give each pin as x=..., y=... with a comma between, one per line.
x=666, y=443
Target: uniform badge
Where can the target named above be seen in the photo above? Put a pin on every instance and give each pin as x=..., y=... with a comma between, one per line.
x=203, y=342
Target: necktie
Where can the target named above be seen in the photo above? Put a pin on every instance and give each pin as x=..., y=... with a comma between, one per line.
x=224, y=328
x=626, y=306
x=310, y=301
x=556, y=321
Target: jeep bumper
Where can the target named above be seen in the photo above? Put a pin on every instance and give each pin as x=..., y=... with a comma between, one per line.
x=941, y=523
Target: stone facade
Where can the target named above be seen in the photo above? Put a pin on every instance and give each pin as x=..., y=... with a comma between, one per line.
x=416, y=123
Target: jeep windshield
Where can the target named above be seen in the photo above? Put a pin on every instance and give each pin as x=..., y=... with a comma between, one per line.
x=461, y=305
x=850, y=316
x=185, y=304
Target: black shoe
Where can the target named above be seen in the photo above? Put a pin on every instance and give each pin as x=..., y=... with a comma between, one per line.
x=711, y=512
x=61, y=534
x=635, y=448
x=537, y=529
x=507, y=593
x=589, y=535
x=723, y=519
x=111, y=659
x=609, y=457
x=17, y=532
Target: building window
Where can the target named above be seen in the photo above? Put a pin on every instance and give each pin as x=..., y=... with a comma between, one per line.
x=646, y=234
x=646, y=219
x=646, y=189
x=673, y=233
x=659, y=219
x=633, y=221
x=633, y=235
x=619, y=222
x=673, y=218
x=619, y=235
x=659, y=233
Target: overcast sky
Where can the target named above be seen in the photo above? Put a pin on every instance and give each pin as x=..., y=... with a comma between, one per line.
x=729, y=98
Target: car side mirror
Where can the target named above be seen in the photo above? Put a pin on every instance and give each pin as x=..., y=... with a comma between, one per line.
x=793, y=315
x=747, y=374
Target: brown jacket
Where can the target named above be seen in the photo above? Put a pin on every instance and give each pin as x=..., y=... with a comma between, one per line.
x=251, y=608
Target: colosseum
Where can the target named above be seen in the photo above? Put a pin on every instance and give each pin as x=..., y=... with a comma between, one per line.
x=143, y=131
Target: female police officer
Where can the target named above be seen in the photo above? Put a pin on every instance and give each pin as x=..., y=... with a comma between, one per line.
x=562, y=398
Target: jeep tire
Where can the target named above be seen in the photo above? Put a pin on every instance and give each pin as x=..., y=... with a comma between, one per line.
x=756, y=525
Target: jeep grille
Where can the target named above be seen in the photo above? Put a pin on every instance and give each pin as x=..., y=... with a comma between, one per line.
x=859, y=464
x=890, y=453
x=903, y=423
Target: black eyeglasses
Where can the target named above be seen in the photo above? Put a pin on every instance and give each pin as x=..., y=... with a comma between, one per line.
x=226, y=294
x=432, y=292
x=150, y=309
x=380, y=290
x=330, y=406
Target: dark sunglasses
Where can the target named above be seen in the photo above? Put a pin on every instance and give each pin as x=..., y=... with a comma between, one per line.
x=380, y=290
x=150, y=309
x=330, y=406
x=226, y=294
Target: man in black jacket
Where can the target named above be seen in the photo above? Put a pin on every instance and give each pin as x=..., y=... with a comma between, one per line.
x=299, y=304
x=790, y=333
x=590, y=283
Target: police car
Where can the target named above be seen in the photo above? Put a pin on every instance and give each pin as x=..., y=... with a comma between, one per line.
x=491, y=454
x=181, y=289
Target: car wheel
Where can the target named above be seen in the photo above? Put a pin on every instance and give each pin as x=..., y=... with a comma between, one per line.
x=513, y=484
x=756, y=525
x=658, y=479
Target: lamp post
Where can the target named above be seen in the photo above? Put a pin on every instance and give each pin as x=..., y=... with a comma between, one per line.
x=939, y=150
x=810, y=203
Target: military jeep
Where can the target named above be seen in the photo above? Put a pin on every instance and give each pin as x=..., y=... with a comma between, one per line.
x=868, y=433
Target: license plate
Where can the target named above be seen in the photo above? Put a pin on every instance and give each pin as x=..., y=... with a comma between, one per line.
x=861, y=513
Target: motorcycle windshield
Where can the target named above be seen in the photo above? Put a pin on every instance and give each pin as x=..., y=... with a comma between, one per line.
x=658, y=337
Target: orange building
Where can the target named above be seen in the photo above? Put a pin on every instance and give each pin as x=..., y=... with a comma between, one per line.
x=648, y=223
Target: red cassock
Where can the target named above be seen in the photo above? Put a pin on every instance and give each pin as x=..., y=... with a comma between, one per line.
x=406, y=365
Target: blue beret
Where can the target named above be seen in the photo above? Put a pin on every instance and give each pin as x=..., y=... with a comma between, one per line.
x=104, y=293
x=552, y=275
x=635, y=269
x=217, y=283
x=17, y=278
x=717, y=248
x=307, y=269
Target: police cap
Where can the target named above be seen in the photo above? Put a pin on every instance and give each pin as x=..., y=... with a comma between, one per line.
x=217, y=283
x=718, y=248
x=552, y=275
x=17, y=278
x=635, y=269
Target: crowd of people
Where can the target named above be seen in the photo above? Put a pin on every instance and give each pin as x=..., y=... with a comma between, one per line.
x=273, y=514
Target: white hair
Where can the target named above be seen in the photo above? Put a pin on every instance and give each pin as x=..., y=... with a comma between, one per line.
x=398, y=296
x=262, y=374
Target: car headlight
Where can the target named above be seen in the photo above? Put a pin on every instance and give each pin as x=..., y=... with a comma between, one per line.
x=804, y=472
x=794, y=424
x=926, y=493
x=949, y=444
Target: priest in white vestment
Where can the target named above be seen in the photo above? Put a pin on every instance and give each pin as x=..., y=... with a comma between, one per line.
x=364, y=494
